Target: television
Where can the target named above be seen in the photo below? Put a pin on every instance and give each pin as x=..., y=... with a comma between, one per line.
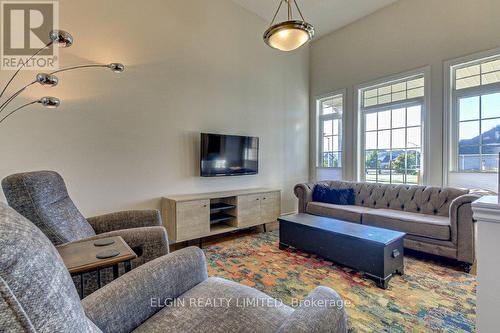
x=228, y=155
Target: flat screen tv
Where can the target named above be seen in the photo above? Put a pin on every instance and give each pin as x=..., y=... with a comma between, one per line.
x=228, y=155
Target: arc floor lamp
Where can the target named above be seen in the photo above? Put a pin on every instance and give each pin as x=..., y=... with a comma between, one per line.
x=59, y=38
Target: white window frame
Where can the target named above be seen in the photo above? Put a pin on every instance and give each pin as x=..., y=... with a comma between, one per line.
x=451, y=118
x=319, y=128
x=423, y=101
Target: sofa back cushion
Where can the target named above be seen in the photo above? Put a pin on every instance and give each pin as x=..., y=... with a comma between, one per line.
x=36, y=290
x=323, y=193
x=409, y=198
x=42, y=197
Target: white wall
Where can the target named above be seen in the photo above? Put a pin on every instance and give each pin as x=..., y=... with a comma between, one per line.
x=123, y=141
x=406, y=35
x=486, y=212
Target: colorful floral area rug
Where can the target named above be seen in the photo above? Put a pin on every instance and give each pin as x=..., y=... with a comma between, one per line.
x=432, y=296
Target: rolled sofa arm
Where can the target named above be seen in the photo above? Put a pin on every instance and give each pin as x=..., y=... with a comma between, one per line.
x=125, y=303
x=320, y=312
x=125, y=220
x=304, y=193
x=462, y=226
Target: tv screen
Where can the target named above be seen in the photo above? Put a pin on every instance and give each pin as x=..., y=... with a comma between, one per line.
x=229, y=155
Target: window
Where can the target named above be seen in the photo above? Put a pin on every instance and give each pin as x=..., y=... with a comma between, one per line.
x=391, y=136
x=330, y=110
x=394, y=92
x=475, y=95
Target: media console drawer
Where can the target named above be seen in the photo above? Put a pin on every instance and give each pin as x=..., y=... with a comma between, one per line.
x=193, y=216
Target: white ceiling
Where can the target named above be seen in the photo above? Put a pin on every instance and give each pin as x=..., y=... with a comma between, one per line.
x=325, y=15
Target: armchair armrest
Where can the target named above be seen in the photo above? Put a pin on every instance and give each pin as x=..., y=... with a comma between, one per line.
x=125, y=303
x=151, y=241
x=304, y=193
x=125, y=220
x=321, y=311
x=462, y=226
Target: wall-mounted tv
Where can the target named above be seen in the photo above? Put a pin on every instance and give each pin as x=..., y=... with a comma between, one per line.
x=228, y=155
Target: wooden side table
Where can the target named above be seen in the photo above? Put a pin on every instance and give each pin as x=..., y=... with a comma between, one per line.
x=81, y=257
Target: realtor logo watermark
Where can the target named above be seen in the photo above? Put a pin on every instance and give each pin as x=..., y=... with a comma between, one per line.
x=25, y=28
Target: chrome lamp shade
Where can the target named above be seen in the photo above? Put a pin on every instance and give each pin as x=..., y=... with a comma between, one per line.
x=49, y=102
x=116, y=67
x=61, y=38
x=47, y=79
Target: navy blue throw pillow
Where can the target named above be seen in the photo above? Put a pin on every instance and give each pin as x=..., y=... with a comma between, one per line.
x=326, y=194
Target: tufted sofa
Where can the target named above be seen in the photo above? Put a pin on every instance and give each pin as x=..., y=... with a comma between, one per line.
x=436, y=220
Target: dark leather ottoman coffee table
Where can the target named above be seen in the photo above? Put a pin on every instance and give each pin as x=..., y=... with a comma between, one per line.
x=376, y=252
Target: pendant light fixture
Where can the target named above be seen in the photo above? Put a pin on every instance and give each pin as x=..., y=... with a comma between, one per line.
x=291, y=34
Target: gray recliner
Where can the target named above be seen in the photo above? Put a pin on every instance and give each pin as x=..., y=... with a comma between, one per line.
x=172, y=293
x=42, y=197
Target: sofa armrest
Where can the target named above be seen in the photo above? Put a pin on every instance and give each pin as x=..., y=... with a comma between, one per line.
x=125, y=303
x=321, y=311
x=462, y=226
x=149, y=242
x=125, y=220
x=304, y=193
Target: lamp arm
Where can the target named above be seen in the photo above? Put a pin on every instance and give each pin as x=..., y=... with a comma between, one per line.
x=11, y=98
x=22, y=65
x=22, y=106
x=78, y=67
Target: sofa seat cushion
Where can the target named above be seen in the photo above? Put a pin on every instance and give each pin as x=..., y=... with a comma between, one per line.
x=205, y=308
x=349, y=213
x=431, y=226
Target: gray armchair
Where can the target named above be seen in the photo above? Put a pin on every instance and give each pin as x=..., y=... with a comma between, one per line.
x=172, y=293
x=42, y=198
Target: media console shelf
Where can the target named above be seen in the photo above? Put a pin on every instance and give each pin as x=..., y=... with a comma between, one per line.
x=194, y=216
x=218, y=206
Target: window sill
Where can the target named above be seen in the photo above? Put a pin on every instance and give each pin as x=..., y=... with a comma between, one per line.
x=474, y=172
x=329, y=168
